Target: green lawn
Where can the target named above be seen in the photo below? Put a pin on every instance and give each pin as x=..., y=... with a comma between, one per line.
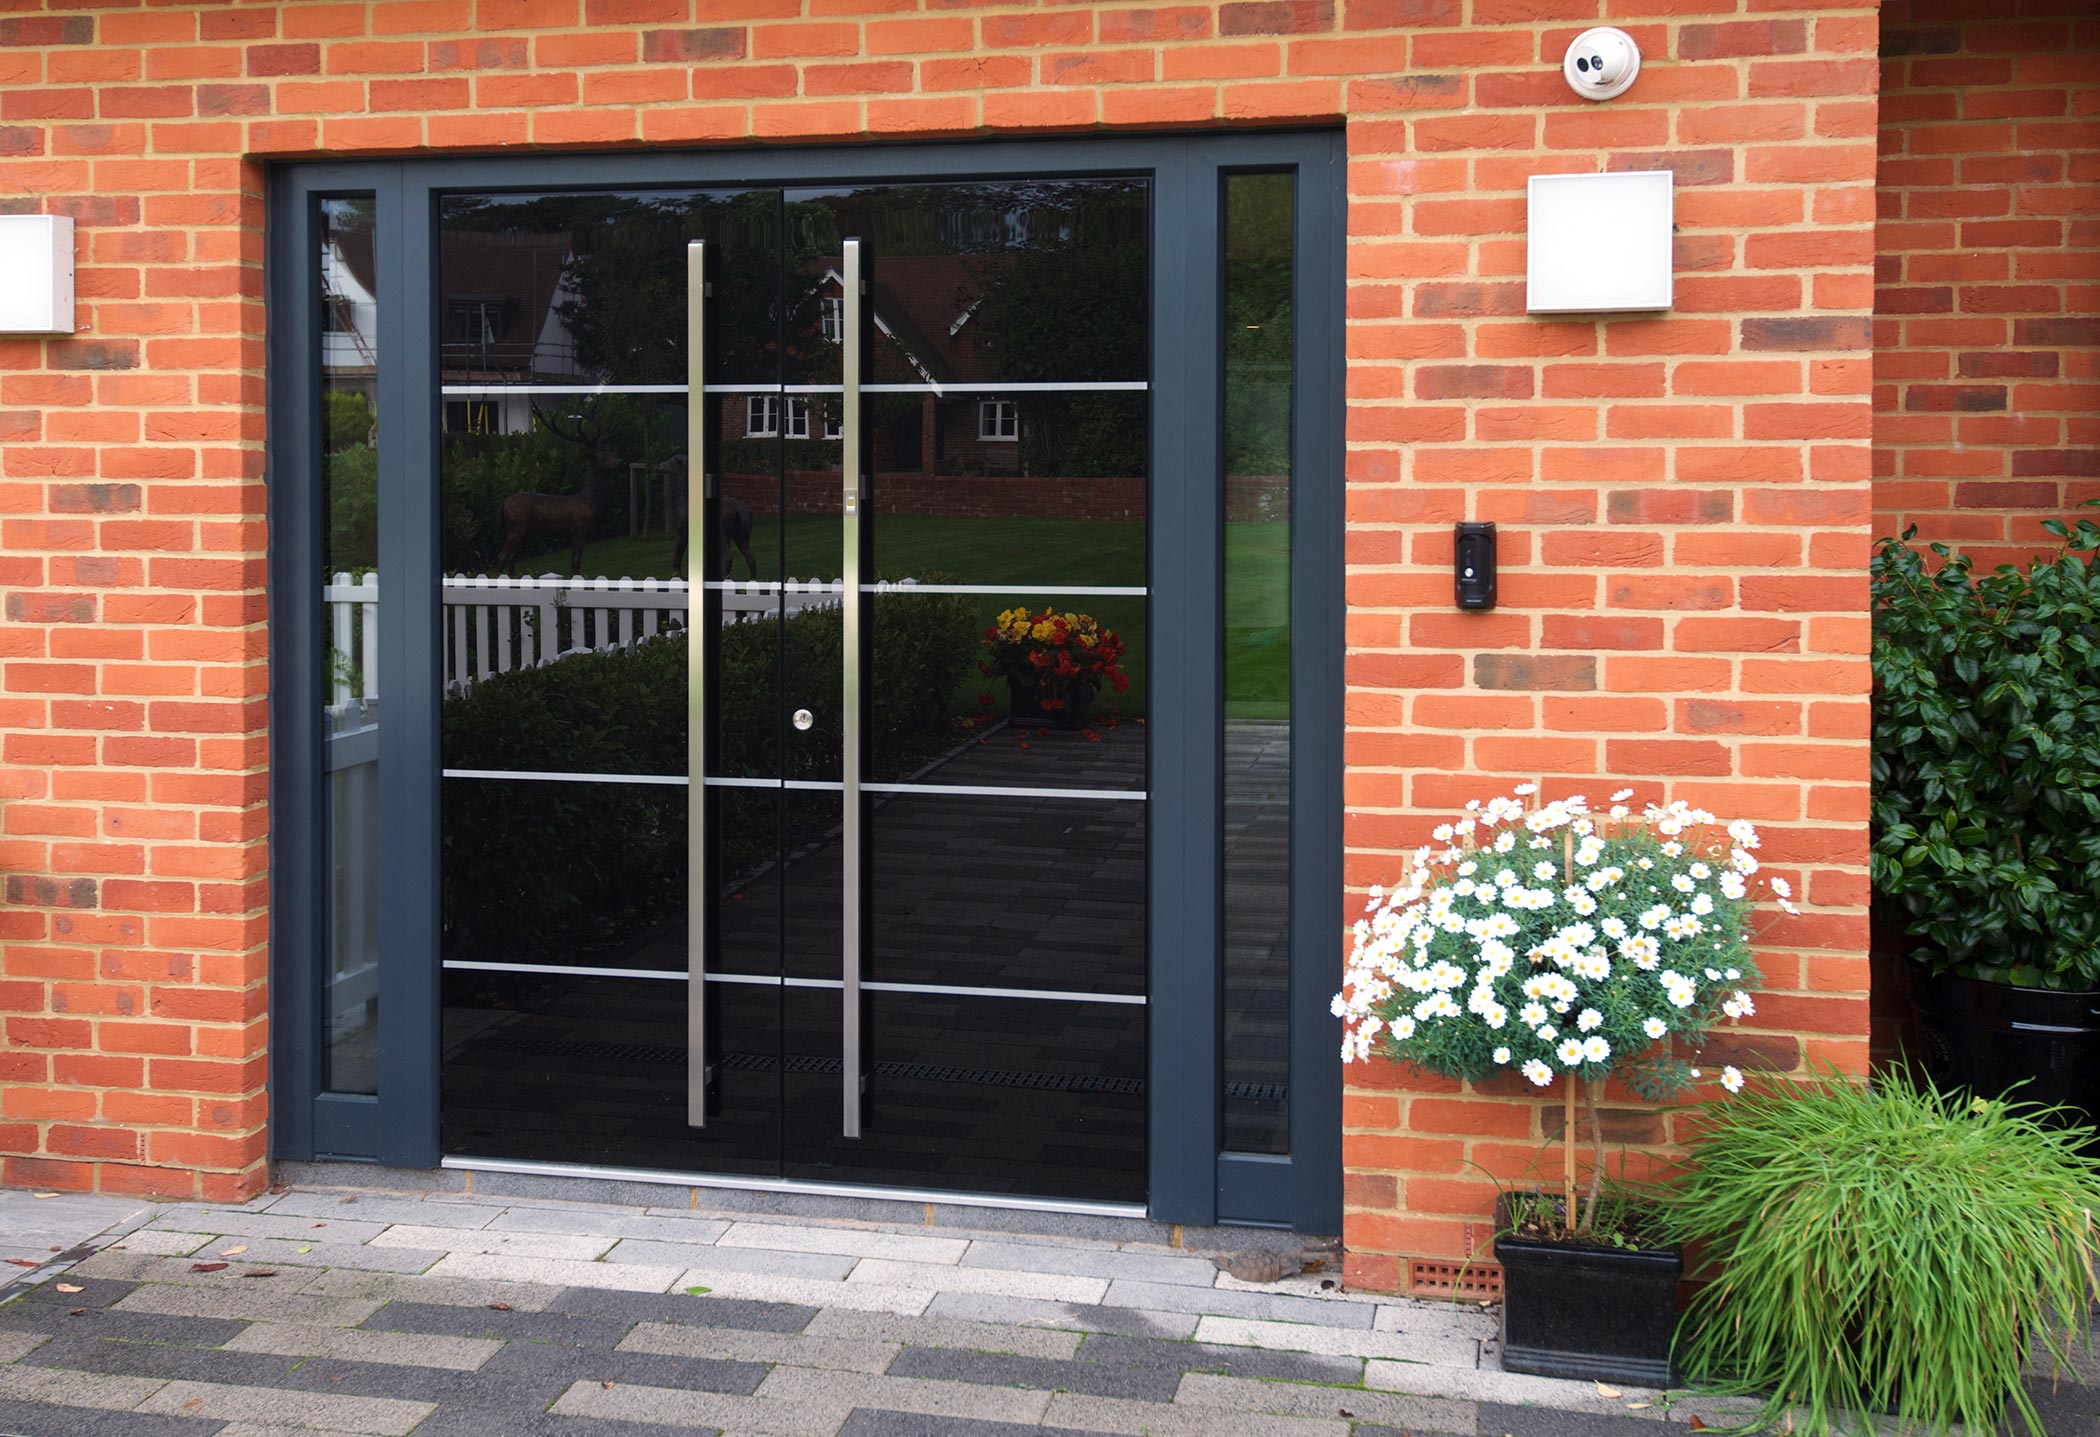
x=1022, y=552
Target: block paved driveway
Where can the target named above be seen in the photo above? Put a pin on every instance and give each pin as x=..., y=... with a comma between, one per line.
x=330, y=1311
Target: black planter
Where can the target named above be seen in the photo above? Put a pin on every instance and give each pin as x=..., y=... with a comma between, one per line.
x=1986, y=1037
x=1605, y=1314
x=1025, y=705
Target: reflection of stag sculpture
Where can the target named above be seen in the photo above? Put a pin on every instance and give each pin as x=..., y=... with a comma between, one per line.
x=567, y=515
x=734, y=525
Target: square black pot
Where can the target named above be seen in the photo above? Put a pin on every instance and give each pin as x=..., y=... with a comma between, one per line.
x=1588, y=1311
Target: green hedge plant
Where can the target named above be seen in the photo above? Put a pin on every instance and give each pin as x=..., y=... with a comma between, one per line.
x=1986, y=759
x=1882, y=1250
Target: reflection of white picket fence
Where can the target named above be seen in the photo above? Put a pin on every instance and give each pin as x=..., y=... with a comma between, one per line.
x=495, y=624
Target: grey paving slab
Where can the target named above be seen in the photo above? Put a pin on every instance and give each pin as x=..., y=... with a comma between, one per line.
x=807, y=1291
x=39, y=1419
x=889, y=1328
x=799, y=1349
x=939, y=1277
x=287, y=1252
x=558, y=1271
x=17, y=1345
x=94, y=1292
x=277, y=1429
x=182, y=1271
x=238, y=1223
x=577, y=1247
x=1159, y=1419
x=1091, y=1262
x=851, y=1242
x=685, y=1310
x=1231, y=1361
x=1490, y=1384
x=493, y=1324
x=800, y=1387
x=1078, y=1317
x=353, y=1344
x=50, y=1318
x=1293, y=1399
x=1521, y=1421
x=704, y=1258
x=1101, y=1379
x=75, y=1388
x=871, y=1422
x=1448, y=1348
x=526, y=1376
x=256, y=1300
x=477, y=1422
x=446, y=1291
x=1472, y=1318
x=712, y=1411
x=167, y=1244
x=599, y=1222
x=379, y=1416
x=165, y=1362
x=1222, y=1302
x=382, y=1208
x=63, y=1219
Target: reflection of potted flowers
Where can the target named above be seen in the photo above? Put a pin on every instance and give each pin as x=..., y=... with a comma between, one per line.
x=1553, y=944
x=1053, y=663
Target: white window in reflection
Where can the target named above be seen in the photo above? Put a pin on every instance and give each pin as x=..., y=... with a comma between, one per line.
x=998, y=419
x=798, y=416
x=761, y=415
x=834, y=314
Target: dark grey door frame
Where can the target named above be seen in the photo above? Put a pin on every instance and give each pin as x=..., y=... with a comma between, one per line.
x=1191, y=1181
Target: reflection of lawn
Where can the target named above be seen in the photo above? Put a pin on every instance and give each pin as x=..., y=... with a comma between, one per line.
x=1024, y=552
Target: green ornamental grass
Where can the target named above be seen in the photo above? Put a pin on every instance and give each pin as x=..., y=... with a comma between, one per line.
x=1883, y=1249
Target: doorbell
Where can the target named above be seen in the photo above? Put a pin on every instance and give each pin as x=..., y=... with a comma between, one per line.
x=1474, y=566
x=1601, y=63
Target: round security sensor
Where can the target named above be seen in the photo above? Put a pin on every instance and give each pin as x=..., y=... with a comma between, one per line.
x=1601, y=63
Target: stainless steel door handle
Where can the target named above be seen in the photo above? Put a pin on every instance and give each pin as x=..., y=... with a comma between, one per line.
x=697, y=636
x=853, y=282
x=803, y=719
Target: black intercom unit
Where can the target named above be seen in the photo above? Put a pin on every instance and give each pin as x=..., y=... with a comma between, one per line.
x=1473, y=565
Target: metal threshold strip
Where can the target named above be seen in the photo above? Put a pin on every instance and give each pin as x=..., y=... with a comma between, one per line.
x=658, y=1176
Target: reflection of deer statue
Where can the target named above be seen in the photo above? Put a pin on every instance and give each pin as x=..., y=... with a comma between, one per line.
x=734, y=525
x=565, y=515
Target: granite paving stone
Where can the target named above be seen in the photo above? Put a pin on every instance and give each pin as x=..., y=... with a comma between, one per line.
x=354, y=1344
x=159, y=1360
x=167, y=1244
x=1091, y=1262
x=94, y=1292
x=318, y=1252
x=850, y=1242
x=1465, y=1318
x=236, y=1223
x=251, y=1300
x=706, y=1258
x=943, y=1332
x=117, y=1323
x=16, y=1345
x=1159, y=1419
x=420, y=1287
x=1101, y=1379
x=874, y=1422
x=576, y=1247
x=712, y=1411
x=527, y=1375
x=801, y=1387
x=1447, y=1349
x=685, y=1310
x=597, y=1222
x=70, y=1387
x=799, y=1349
x=475, y=1422
x=558, y=1271
x=1223, y=1302
x=38, y=1419
x=1487, y=1381
x=1082, y=1317
x=937, y=1277
x=378, y=1416
x=1223, y=1358
x=809, y=1291
x=362, y=1207
x=493, y=1324
x=1522, y=1421
x=1199, y=1389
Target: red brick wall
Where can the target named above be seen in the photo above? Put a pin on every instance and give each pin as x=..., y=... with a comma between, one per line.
x=1987, y=299
x=1684, y=498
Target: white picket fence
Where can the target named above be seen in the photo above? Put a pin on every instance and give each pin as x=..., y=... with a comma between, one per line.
x=495, y=624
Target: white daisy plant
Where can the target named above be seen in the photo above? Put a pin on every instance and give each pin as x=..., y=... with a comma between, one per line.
x=1611, y=953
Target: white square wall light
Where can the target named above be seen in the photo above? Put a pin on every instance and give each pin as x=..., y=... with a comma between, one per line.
x=1599, y=243
x=36, y=274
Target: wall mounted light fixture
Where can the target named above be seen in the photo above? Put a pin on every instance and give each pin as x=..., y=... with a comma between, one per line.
x=36, y=274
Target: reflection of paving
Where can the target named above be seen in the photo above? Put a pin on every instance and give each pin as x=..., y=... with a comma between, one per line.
x=1257, y=933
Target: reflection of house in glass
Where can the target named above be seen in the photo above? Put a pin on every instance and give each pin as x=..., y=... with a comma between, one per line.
x=349, y=312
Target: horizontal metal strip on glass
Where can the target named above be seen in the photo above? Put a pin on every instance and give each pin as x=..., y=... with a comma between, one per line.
x=978, y=790
x=500, y=583
x=1027, y=387
x=670, y=780
x=896, y=586
x=486, y=391
x=594, y=1172
x=801, y=785
x=774, y=980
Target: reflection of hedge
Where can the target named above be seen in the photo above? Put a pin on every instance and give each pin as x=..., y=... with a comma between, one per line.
x=579, y=869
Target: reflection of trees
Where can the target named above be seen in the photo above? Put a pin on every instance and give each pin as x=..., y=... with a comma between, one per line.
x=1258, y=325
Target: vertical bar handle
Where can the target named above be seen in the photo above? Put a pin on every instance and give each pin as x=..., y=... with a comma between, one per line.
x=854, y=282
x=696, y=637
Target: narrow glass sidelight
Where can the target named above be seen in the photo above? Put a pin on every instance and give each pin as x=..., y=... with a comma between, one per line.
x=1256, y=842
x=349, y=440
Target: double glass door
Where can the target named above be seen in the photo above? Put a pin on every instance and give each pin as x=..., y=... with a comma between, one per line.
x=795, y=598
